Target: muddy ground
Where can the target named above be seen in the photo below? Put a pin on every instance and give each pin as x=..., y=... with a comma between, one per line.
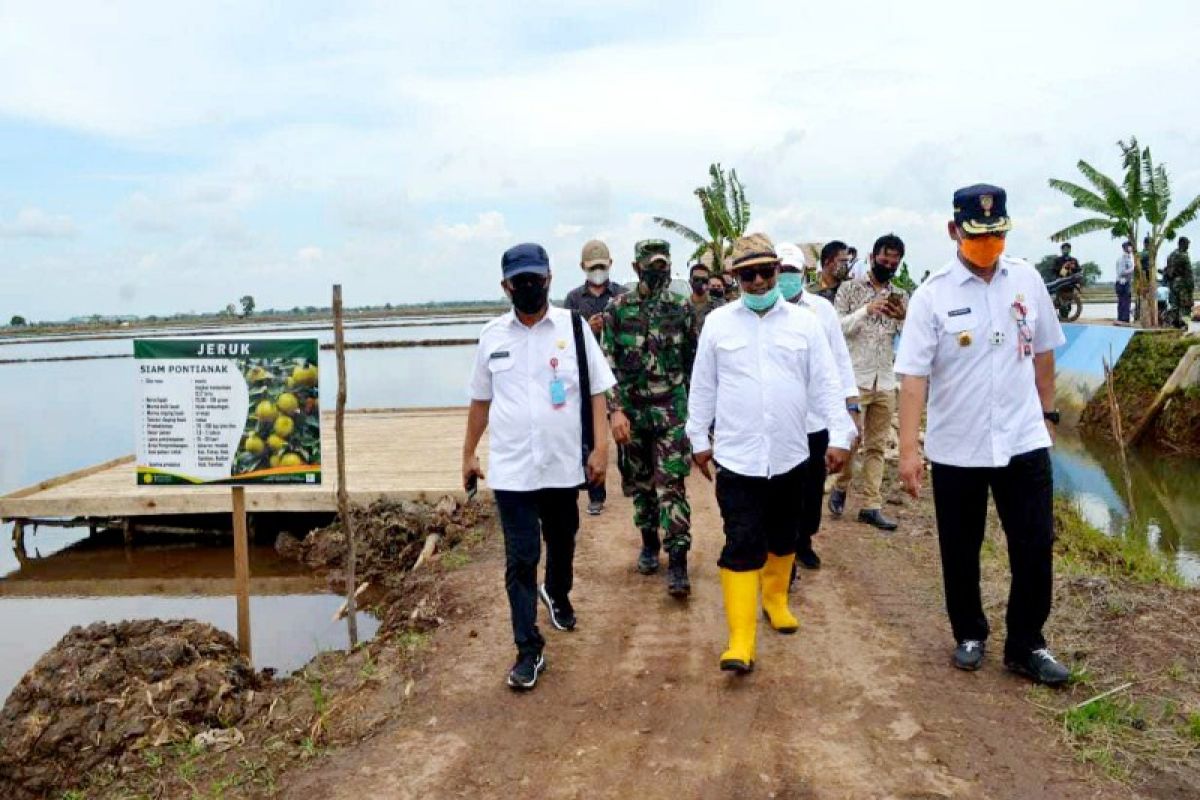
x=861, y=703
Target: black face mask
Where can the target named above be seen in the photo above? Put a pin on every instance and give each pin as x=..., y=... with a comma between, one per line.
x=529, y=296
x=656, y=279
x=716, y=294
x=700, y=287
x=881, y=273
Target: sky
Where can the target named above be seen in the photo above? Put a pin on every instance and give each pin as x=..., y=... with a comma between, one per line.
x=170, y=157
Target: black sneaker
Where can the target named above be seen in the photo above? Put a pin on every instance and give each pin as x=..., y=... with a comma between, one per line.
x=808, y=559
x=524, y=674
x=837, y=502
x=595, y=507
x=678, y=584
x=969, y=654
x=1041, y=666
x=874, y=516
x=562, y=615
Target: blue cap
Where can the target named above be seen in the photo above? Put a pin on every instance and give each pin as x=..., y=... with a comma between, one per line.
x=522, y=258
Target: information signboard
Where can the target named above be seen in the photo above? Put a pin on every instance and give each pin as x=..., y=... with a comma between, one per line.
x=227, y=411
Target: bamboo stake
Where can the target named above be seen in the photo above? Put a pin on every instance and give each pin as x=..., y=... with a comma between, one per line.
x=241, y=570
x=1114, y=415
x=1101, y=696
x=343, y=495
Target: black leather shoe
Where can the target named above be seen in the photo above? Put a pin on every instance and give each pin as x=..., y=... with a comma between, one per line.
x=647, y=562
x=808, y=559
x=1039, y=665
x=837, y=502
x=969, y=654
x=874, y=516
x=678, y=584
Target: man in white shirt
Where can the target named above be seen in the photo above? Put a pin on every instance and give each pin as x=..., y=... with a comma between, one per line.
x=791, y=286
x=1124, y=282
x=526, y=388
x=979, y=338
x=761, y=365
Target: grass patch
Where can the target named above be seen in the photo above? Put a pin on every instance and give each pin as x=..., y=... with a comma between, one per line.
x=455, y=559
x=413, y=641
x=1083, y=549
x=1107, y=714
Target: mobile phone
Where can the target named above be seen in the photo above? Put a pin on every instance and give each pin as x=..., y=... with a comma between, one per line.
x=895, y=298
x=472, y=487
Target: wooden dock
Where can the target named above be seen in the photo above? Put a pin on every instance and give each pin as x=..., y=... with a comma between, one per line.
x=406, y=454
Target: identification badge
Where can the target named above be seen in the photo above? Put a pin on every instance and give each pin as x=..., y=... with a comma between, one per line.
x=558, y=393
x=959, y=312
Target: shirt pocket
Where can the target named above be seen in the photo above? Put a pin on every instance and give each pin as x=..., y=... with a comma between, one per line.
x=959, y=334
x=732, y=356
x=790, y=351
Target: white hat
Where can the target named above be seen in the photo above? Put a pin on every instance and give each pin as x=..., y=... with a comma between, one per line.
x=790, y=255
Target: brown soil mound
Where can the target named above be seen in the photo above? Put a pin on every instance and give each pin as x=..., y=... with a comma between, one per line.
x=1139, y=374
x=106, y=691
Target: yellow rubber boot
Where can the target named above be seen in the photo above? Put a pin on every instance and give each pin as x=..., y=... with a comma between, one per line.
x=741, y=612
x=775, y=577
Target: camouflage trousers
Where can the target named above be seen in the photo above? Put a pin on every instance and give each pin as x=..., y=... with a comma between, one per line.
x=1180, y=299
x=657, y=459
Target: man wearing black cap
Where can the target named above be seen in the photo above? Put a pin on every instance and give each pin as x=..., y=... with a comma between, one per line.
x=979, y=338
x=526, y=388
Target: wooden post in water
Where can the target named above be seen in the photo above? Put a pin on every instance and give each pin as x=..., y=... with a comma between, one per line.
x=343, y=496
x=241, y=570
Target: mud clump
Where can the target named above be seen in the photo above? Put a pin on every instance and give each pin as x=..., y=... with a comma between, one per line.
x=390, y=537
x=107, y=691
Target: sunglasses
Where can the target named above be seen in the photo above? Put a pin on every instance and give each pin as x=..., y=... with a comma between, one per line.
x=748, y=274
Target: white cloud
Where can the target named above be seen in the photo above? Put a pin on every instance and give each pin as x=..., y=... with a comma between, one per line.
x=488, y=227
x=310, y=254
x=34, y=223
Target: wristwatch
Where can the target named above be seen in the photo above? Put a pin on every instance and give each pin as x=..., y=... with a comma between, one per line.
x=1052, y=416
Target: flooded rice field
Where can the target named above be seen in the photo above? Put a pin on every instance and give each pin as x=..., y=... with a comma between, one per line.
x=60, y=416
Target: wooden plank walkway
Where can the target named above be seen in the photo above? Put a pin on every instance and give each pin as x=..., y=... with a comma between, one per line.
x=396, y=454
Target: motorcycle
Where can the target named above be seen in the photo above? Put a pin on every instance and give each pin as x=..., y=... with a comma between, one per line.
x=1068, y=297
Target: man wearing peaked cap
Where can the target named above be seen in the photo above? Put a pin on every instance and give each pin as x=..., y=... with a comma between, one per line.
x=979, y=340
x=526, y=387
x=589, y=301
x=650, y=340
x=761, y=366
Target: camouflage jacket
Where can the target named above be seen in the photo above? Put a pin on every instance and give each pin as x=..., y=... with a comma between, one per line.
x=1178, y=269
x=650, y=343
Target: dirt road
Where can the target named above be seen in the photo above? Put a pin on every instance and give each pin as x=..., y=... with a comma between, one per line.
x=862, y=703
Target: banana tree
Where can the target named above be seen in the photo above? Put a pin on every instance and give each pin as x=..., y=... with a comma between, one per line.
x=1119, y=208
x=726, y=216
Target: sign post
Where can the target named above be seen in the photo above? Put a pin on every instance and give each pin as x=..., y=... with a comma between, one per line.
x=231, y=412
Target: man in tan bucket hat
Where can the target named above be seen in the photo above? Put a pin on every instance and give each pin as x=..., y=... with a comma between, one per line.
x=761, y=364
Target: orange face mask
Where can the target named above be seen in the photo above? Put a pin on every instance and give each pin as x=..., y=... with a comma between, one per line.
x=982, y=251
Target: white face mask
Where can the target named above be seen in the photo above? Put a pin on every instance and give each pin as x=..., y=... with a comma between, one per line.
x=597, y=277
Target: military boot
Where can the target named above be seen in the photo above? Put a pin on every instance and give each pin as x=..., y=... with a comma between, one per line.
x=678, y=584
x=647, y=562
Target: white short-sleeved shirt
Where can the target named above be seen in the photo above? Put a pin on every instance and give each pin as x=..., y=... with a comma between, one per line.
x=533, y=444
x=962, y=333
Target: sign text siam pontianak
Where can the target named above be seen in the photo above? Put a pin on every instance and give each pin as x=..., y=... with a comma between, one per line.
x=222, y=411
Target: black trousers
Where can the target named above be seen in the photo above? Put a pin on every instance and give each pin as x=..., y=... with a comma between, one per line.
x=1024, y=493
x=759, y=516
x=813, y=491
x=527, y=518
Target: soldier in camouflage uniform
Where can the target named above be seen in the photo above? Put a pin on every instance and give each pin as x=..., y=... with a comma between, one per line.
x=650, y=340
x=1180, y=283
